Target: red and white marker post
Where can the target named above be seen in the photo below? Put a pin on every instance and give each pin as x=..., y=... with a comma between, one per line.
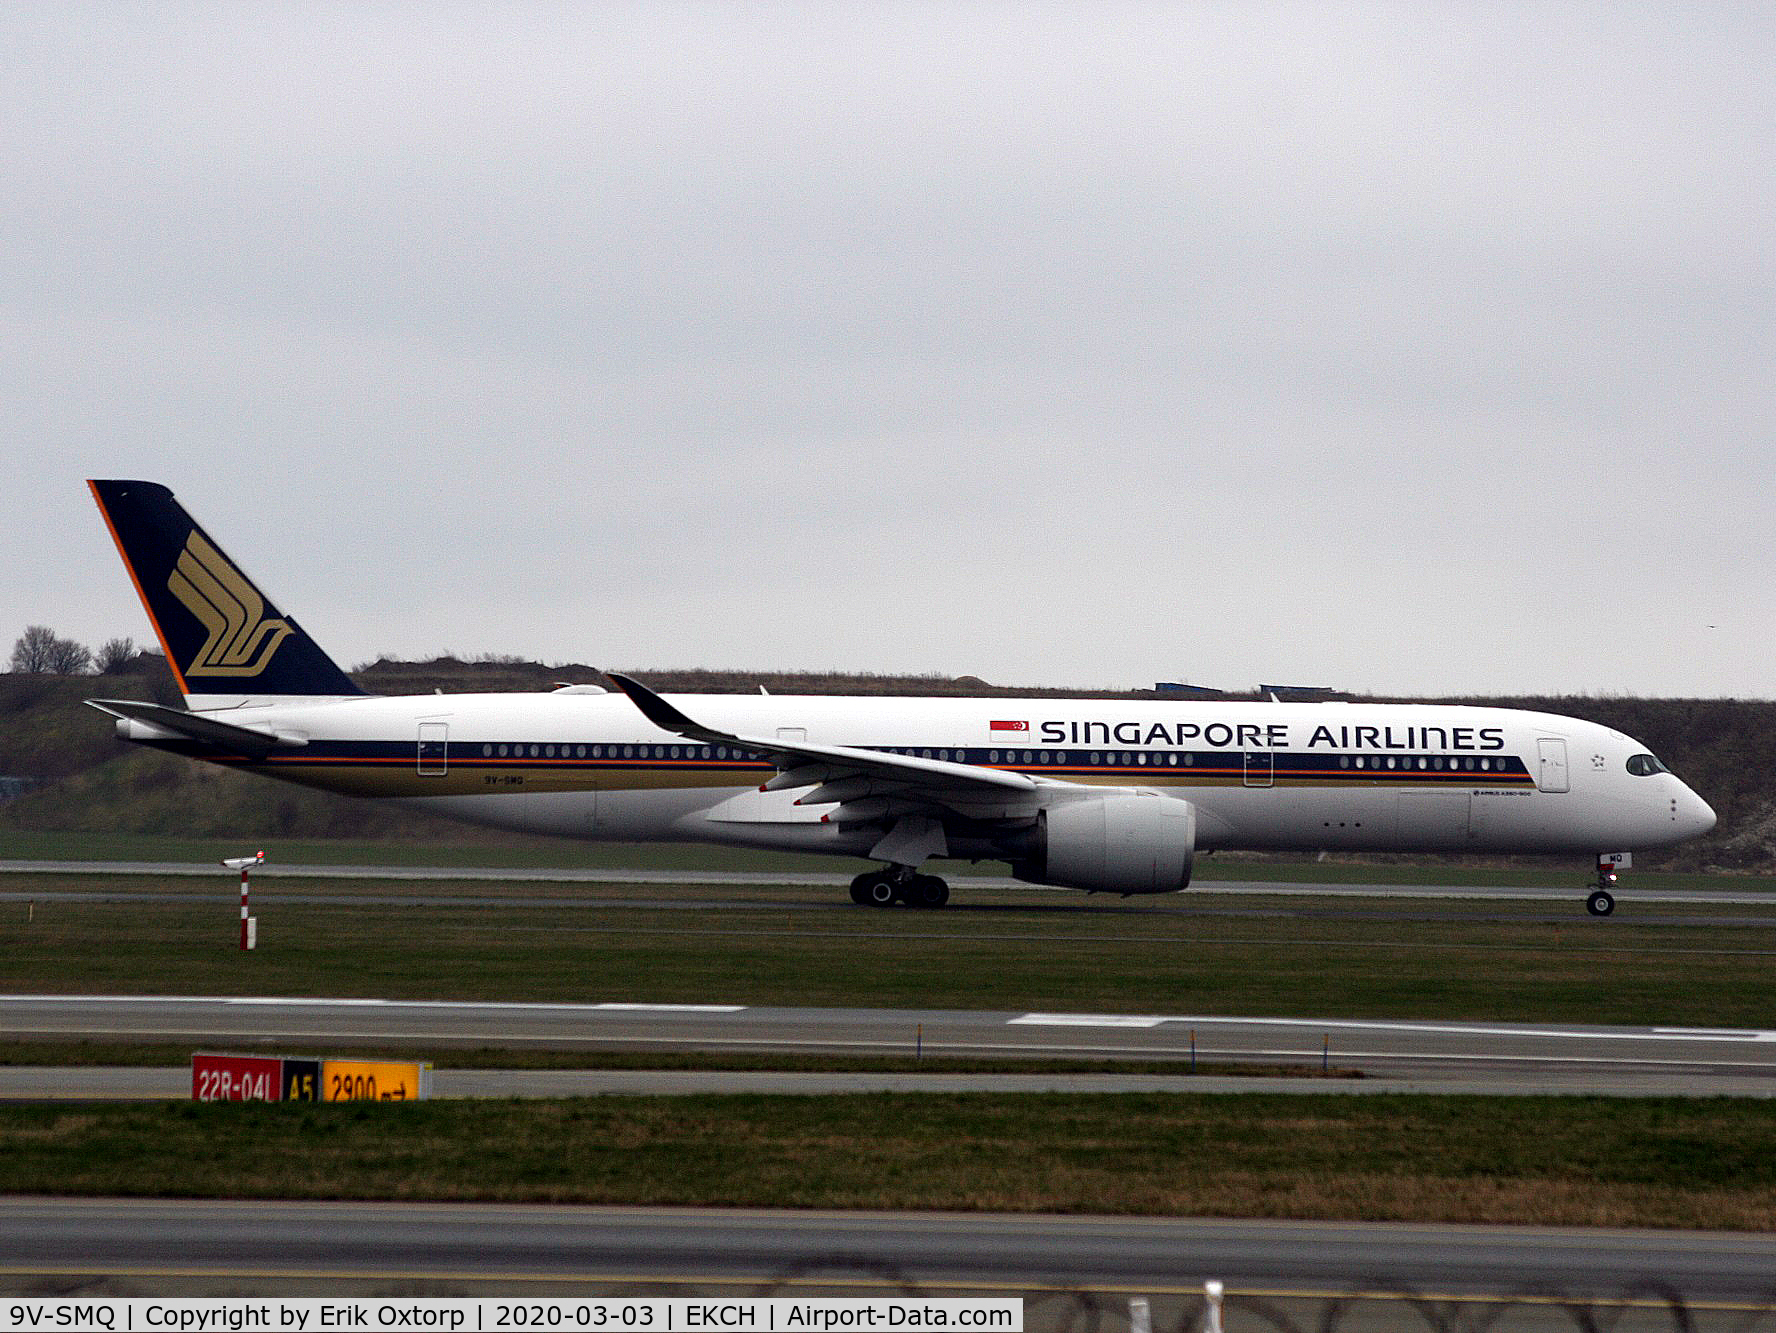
x=245, y=864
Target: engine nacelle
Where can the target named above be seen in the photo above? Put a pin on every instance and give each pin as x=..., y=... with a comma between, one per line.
x=1114, y=844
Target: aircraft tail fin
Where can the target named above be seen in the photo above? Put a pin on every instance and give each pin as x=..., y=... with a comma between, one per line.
x=225, y=641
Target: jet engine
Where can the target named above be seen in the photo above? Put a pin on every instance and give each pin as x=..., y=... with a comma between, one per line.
x=1113, y=844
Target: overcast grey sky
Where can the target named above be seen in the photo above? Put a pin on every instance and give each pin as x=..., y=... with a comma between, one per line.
x=1409, y=348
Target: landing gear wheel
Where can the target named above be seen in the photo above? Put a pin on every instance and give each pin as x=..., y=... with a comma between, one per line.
x=880, y=890
x=927, y=891
x=860, y=890
x=1600, y=903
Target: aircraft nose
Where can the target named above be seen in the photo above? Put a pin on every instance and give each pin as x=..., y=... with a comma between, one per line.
x=1695, y=814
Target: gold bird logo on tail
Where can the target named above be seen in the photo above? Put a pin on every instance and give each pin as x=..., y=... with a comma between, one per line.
x=242, y=639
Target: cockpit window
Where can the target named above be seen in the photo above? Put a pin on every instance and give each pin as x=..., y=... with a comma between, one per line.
x=1644, y=766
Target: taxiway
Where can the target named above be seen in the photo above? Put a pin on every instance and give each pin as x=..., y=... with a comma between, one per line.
x=1394, y=1056
x=259, y=1245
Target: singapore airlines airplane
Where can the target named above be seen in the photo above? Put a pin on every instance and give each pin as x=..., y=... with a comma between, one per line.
x=1103, y=795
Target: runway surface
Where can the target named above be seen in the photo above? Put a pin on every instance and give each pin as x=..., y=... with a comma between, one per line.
x=204, y=1245
x=1396, y=1056
x=1566, y=894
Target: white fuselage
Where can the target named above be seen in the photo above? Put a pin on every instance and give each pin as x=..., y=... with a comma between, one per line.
x=1370, y=777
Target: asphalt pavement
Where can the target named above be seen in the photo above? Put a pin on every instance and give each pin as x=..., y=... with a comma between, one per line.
x=1392, y=1055
x=203, y=1245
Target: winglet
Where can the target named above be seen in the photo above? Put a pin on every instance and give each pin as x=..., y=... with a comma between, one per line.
x=794, y=757
x=655, y=709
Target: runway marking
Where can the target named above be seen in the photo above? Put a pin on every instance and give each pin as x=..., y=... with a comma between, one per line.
x=1361, y=1025
x=1722, y=1034
x=310, y=1002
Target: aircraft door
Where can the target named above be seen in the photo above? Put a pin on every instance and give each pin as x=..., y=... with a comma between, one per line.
x=1552, y=775
x=1260, y=768
x=434, y=749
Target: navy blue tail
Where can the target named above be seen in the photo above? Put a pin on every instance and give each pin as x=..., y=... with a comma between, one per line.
x=221, y=635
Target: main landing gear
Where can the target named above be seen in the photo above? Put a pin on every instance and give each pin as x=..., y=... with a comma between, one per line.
x=898, y=884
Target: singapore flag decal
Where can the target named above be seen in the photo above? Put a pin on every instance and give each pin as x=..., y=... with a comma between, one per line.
x=1008, y=726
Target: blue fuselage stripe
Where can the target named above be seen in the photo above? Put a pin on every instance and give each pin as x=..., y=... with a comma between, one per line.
x=1278, y=766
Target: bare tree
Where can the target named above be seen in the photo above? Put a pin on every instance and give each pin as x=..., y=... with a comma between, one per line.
x=40, y=651
x=70, y=659
x=116, y=656
x=30, y=655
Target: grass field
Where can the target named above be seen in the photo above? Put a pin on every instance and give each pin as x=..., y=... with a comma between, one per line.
x=1597, y=1162
x=999, y=950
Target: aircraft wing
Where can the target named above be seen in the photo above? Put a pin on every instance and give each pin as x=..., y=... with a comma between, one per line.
x=864, y=786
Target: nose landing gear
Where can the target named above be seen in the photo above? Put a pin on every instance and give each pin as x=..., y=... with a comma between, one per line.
x=1601, y=901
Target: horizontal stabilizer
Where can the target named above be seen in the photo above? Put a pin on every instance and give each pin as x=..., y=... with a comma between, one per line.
x=198, y=727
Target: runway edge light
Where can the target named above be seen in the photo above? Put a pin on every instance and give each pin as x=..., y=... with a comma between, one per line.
x=1213, y=1292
